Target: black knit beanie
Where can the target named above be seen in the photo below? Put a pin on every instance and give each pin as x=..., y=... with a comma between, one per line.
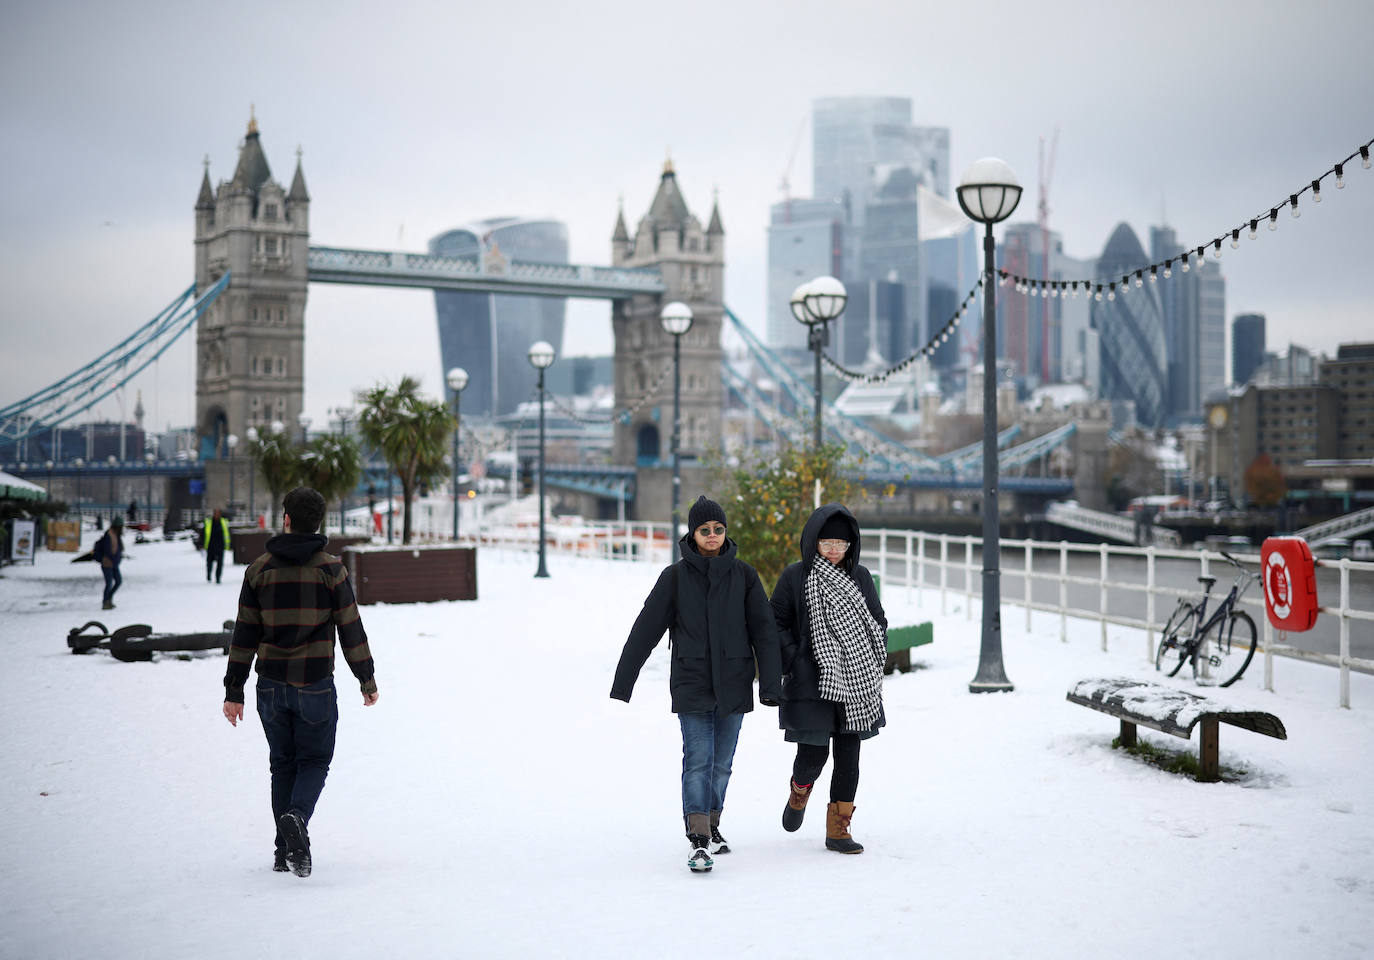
x=836, y=527
x=704, y=511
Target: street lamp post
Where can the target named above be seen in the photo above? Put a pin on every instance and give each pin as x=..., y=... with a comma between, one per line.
x=231, y=442
x=541, y=356
x=344, y=414
x=676, y=319
x=148, y=458
x=48, y=464
x=79, y=464
x=252, y=434
x=457, y=380
x=114, y=507
x=304, y=421
x=815, y=304
x=988, y=193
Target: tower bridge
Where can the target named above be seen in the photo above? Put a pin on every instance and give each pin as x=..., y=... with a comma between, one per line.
x=254, y=262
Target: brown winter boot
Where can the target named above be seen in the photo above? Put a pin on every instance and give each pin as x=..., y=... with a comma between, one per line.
x=795, y=810
x=837, y=838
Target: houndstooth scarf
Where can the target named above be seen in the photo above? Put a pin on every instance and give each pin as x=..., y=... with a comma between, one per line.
x=849, y=645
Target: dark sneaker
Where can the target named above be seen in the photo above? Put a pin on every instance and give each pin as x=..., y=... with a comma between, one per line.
x=700, y=861
x=718, y=844
x=297, y=842
x=279, y=864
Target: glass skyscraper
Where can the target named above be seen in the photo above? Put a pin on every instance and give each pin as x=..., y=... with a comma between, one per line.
x=1247, y=346
x=489, y=335
x=1134, y=351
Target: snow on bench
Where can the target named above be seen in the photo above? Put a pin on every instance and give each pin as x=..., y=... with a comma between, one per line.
x=1173, y=711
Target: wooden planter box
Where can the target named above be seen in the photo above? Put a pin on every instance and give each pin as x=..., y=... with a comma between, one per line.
x=250, y=544
x=412, y=574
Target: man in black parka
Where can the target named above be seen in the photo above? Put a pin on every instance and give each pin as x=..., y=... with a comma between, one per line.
x=719, y=622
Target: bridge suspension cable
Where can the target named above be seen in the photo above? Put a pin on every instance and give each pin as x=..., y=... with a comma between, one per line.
x=82, y=389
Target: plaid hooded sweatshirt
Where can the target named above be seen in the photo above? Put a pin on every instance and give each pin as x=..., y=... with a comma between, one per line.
x=294, y=596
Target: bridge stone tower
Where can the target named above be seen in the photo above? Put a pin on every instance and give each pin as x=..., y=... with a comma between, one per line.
x=692, y=262
x=250, y=344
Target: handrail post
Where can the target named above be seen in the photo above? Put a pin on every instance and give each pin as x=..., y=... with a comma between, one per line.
x=1269, y=654
x=1149, y=602
x=1027, y=576
x=1063, y=592
x=908, y=566
x=944, y=570
x=921, y=567
x=1345, y=632
x=968, y=576
x=1102, y=604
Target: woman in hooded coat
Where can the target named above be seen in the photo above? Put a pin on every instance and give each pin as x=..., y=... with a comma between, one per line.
x=718, y=620
x=834, y=644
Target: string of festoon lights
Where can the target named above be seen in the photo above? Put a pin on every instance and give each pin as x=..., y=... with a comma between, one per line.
x=934, y=344
x=1107, y=288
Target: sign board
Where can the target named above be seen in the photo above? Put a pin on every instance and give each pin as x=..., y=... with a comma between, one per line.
x=64, y=535
x=1289, y=575
x=21, y=540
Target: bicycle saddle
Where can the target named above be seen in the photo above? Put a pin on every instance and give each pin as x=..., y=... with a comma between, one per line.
x=1207, y=581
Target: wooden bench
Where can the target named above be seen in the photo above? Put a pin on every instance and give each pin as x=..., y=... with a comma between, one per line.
x=1171, y=710
x=901, y=640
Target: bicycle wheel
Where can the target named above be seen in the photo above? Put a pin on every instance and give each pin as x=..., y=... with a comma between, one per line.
x=1174, y=638
x=1236, y=649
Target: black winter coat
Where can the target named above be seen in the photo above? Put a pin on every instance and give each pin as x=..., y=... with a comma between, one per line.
x=720, y=623
x=802, y=707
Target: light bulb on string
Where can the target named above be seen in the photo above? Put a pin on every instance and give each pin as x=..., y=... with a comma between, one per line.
x=1253, y=224
x=1186, y=268
x=1340, y=177
x=1073, y=291
x=1293, y=202
x=1098, y=295
x=1273, y=218
x=1125, y=283
x=1316, y=191
x=1111, y=292
x=1139, y=279
x=1364, y=157
x=1168, y=269
x=1216, y=249
x=1235, y=239
x=1154, y=274
x=1201, y=256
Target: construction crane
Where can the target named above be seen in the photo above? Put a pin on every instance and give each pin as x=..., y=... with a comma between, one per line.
x=1043, y=218
x=786, y=184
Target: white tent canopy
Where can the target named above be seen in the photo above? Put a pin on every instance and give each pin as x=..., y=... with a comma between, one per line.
x=17, y=488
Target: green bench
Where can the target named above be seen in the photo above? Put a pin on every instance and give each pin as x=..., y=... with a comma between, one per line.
x=901, y=640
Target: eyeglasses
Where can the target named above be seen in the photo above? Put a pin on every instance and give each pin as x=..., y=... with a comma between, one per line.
x=833, y=546
x=709, y=531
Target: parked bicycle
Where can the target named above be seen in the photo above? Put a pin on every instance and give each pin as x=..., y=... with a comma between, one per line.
x=1219, y=647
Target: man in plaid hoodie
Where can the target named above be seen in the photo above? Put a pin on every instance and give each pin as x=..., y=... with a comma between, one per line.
x=293, y=599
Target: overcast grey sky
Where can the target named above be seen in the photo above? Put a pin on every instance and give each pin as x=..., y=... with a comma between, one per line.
x=416, y=117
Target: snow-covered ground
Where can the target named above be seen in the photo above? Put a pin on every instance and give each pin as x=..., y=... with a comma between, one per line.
x=497, y=803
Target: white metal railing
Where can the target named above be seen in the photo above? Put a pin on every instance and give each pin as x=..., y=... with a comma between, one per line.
x=913, y=549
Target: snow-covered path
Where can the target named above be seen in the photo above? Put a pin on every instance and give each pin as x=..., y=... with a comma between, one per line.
x=497, y=803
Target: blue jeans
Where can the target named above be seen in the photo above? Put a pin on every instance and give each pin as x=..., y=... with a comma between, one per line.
x=300, y=723
x=112, y=582
x=708, y=750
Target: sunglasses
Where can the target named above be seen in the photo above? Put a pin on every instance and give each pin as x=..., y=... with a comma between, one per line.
x=707, y=530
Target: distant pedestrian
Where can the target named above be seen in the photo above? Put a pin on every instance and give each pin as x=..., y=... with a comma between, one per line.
x=834, y=644
x=132, y=512
x=215, y=540
x=718, y=621
x=294, y=597
x=109, y=551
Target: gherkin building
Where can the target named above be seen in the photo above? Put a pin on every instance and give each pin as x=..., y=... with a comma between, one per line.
x=1134, y=352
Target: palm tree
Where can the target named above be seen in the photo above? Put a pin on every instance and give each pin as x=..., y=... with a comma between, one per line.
x=332, y=464
x=278, y=462
x=411, y=432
